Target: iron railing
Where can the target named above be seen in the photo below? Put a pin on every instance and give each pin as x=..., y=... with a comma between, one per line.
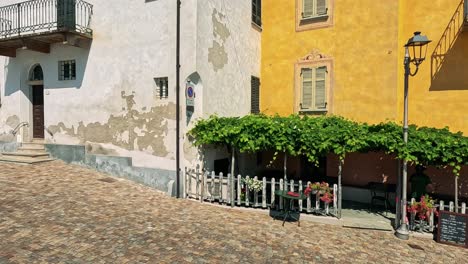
x=39, y=16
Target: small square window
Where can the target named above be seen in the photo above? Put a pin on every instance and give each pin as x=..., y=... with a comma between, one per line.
x=162, y=90
x=67, y=70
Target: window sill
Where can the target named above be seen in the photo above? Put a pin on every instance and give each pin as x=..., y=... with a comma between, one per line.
x=313, y=19
x=317, y=22
x=257, y=27
x=314, y=112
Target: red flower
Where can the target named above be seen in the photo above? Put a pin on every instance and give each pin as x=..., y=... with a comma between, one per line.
x=327, y=198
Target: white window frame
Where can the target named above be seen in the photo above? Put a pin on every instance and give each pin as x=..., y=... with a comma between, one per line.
x=314, y=10
x=314, y=21
x=329, y=83
x=314, y=90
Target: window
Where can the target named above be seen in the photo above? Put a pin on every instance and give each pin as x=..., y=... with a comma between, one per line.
x=313, y=14
x=257, y=12
x=255, y=95
x=313, y=84
x=313, y=8
x=162, y=90
x=36, y=74
x=313, y=94
x=67, y=70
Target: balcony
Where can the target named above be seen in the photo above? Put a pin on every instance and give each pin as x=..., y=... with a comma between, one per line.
x=37, y=24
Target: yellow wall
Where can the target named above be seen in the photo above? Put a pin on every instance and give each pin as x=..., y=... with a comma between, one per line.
x=440, y=98
x=365, y=43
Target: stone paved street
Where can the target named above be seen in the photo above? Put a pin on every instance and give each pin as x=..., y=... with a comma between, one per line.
x=58, y=213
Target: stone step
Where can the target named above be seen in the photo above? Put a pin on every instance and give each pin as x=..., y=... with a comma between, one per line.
x=32, y=145
x=38, y=140
x=25, y=154
x=24, y=160
x=31, y=150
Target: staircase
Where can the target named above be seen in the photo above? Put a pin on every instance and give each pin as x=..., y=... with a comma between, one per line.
x=29, y=153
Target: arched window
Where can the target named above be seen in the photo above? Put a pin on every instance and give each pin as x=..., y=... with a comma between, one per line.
x=36, y=73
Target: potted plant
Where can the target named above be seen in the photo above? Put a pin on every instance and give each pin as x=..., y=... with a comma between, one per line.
x=324, y=188
x=422, y=210
x=315, y=187
x=254, y=185
x=327, y=198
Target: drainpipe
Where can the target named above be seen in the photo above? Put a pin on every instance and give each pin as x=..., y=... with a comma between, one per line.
x=178, y=101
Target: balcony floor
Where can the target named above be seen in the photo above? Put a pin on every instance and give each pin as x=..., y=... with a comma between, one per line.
x=41, y=41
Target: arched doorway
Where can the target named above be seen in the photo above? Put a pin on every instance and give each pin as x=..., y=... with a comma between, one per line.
x=36, y=80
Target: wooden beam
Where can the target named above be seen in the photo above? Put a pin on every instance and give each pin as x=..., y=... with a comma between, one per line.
x=35, y=45
x=8, y=52
x=77, y=41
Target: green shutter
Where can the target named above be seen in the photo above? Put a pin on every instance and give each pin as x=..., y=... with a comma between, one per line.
x=307, y=8
x=320, y=88
x=255, y=95
x=307, y=85
x=66, y=14
x=257, y=12
x=321, y=7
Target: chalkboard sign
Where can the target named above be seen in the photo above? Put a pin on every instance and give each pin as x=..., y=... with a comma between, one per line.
x=452, y=229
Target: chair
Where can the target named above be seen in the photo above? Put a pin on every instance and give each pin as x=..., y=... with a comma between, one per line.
x=379, y=192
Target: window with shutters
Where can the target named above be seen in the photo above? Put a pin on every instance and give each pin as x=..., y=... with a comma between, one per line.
x=255, y=95
x=313, y=94
x=312, y=14
x=162, y=90
x=314, y=85
x=257, y=12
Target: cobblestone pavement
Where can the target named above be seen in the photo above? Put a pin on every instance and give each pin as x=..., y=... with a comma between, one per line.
x=58, y=213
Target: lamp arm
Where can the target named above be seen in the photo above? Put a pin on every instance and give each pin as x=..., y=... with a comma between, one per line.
x=415, y=72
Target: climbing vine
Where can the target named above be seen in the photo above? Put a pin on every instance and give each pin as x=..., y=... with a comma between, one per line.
x=315, y=137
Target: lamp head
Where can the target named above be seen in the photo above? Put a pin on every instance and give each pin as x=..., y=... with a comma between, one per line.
x=417, y=46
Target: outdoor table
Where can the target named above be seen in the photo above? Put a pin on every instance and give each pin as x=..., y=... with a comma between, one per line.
x=288, y=210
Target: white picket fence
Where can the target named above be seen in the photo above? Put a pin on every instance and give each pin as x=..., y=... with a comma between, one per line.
x=227, y=190
x=440, y=206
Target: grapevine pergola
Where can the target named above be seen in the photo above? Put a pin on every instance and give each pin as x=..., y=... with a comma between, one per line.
x=315, y=137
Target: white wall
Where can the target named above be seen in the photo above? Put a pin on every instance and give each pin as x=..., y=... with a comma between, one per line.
x=227, y=55
x=112, y=107
x=227, y=24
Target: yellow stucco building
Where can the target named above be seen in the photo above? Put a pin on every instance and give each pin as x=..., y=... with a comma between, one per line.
x=345, y=57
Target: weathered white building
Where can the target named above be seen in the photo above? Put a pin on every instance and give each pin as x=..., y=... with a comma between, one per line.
x=97, y=79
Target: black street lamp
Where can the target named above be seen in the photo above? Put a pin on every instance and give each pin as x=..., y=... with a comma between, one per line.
x=415, y=52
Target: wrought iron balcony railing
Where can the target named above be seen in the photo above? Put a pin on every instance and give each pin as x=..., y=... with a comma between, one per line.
x=42, y=16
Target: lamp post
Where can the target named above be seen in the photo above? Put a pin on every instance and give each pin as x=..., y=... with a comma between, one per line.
x=415, y=52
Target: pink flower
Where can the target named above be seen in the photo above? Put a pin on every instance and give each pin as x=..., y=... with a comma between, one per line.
x=327, y=198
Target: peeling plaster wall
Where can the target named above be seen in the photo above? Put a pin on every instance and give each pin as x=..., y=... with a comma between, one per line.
x=112, y=107
x=228, y=54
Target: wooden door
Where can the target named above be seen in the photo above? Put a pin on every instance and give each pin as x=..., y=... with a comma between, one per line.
x=38, y=111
